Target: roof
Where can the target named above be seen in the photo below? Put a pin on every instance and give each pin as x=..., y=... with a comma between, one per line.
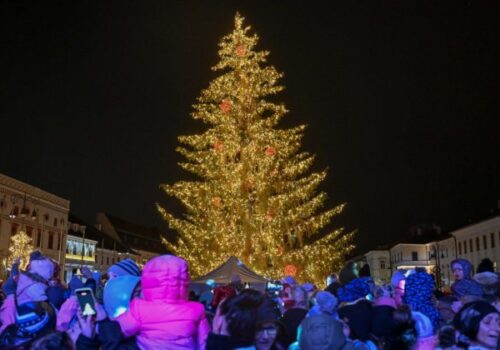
x=233, y=266
x=143, y=238
x=91, y=232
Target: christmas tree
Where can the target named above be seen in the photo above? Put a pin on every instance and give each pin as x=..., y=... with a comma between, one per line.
x=20, y=248
x=254, y=197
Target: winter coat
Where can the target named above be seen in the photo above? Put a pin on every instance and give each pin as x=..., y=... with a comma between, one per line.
x=108, y=338
x=466, y=286
x=164, y=318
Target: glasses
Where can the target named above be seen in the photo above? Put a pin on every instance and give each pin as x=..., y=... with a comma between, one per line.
x=272, y=331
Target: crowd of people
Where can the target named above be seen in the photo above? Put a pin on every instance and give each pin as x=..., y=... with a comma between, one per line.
x=154, y=309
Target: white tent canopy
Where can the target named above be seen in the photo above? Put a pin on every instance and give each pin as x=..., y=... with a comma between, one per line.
x=232, y=267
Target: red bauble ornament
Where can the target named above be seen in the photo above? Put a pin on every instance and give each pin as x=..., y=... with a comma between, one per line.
x=290, y=270
x=240, y=50
x=217, y=202
x=270, y=214
x=270, y=151
x=225, y=106
x=218, y=145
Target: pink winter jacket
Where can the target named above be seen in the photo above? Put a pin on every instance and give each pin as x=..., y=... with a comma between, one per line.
x=164, y=318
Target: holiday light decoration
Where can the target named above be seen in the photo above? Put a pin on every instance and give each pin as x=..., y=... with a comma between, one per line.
x=20, y=248
x=254, y=198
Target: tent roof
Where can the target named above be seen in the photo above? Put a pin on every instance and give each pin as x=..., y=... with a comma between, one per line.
x=233, y=266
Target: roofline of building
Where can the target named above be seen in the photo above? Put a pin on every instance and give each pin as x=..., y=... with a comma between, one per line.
x=23, y=188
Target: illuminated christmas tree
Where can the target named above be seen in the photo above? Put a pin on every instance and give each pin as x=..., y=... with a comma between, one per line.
x=20, y=247
x=255, y=198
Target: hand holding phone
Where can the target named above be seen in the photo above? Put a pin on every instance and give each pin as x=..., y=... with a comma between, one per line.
x=86, y=300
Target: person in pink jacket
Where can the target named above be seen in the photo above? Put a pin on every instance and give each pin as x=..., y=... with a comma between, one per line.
x=164, y=318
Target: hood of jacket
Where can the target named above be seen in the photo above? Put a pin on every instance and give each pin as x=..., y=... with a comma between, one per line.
x=165, y=278
x=466, y=266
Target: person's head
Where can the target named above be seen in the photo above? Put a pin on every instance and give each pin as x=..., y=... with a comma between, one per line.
x=486, y=265
x=446, y=309
x=239, y=314
x=447, y=337
x=479, y=322
x=458, y=271
x=321, y=332
x=123, y=267
x=299, y=296
x=404, y=334
x=462, y=269
x=333, y=278
x=53, y=341
x=268, y=324
x=266, y=335
x=398, y=282
x=326, y=302
x=41, y=266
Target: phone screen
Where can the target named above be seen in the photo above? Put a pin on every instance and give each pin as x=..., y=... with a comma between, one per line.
x=86, y=301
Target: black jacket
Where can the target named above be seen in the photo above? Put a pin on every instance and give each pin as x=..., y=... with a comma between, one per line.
x=110, y=337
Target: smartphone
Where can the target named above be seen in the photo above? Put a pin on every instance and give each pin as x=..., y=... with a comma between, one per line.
x=86, y=300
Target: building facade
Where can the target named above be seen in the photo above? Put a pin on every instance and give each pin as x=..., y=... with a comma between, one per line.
x=479, y=240
x=435, y=252
x=380, y=265
x=42, y=215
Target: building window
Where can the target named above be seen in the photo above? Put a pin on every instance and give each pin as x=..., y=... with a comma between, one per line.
x=38, y=237
x=50, y=244
x=460, y=248
x=414, y=256
x=107, y=260
x=465, y=247
x=485, y=242
x=29, y=231
x=13, y=228
x=471, y=246
x=492, y=239
x=55, y=222
x=477, y=244
x=382, y=264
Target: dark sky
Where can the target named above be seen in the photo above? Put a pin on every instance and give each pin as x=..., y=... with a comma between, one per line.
x=401, y=99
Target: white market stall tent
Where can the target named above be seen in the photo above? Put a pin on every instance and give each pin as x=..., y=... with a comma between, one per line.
x=223, y=274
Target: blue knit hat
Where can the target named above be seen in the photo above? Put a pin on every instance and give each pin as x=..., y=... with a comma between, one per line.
x=125, y=267
x=356, y=289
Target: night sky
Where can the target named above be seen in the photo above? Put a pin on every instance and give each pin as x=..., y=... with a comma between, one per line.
x=401, y=99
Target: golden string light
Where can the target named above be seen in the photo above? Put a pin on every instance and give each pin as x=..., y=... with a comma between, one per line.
x=254, y=198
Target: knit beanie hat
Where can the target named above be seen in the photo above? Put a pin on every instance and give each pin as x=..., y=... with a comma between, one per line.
x=326, y=302
x=469, y=317
x=125, y=267
x=423, y=325
x=354, y=290
x=321, y=332
x=41, y=266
